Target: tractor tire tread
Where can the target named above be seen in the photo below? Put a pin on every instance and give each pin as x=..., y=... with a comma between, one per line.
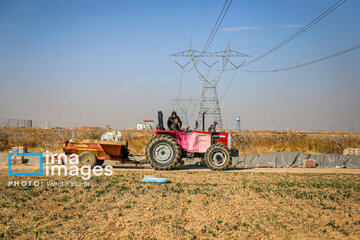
x=178, y=152
x=227, y=164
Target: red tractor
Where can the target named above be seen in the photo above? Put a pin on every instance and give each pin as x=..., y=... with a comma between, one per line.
x=167, y=148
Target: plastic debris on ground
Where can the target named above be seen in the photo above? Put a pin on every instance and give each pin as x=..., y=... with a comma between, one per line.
x=149, y=178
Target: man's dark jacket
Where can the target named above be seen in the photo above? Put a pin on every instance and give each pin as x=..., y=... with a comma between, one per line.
x=171, y=119
x=175, y=127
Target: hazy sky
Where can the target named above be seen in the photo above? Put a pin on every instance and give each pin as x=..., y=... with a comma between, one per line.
x=107, y=62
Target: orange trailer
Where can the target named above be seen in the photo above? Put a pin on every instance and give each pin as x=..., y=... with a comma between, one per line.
x=94, y=152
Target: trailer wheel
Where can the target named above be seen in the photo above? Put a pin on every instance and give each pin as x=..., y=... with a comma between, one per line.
x=163, y=152
x=88, y=158
x=218, y=157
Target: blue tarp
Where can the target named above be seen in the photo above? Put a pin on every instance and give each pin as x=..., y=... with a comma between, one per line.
x=149, y=178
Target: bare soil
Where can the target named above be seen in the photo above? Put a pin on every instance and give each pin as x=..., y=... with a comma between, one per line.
x=197, y=204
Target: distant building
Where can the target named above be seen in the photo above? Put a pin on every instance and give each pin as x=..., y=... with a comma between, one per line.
x=149, y=124
x=22, y=123
x=140, y=126
x=145, y=125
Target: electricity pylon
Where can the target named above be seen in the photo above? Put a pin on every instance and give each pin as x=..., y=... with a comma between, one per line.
x=209, y=104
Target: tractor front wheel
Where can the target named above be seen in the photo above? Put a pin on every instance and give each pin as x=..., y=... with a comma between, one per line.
x=163, y=152
x=218, y=157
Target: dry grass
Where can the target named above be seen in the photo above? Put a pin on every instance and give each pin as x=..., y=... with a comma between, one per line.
x=196, y=205
x=37, y=139
x=248, y=142
x=137, y=140
x=260, y=142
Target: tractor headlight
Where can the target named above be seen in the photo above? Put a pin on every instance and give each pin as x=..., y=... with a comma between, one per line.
x=229, y=141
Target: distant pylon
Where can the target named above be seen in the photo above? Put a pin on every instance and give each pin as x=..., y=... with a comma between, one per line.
x=209, y=99
x=185, y=108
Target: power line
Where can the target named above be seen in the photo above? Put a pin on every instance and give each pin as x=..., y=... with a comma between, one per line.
x=212, y=31
x=308, y=63
x=218, y=26
x=215, y=28
x=303, y=29
x=228, y=86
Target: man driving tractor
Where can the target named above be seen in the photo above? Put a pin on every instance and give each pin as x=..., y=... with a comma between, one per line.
x=174, y=123
x=175, y=126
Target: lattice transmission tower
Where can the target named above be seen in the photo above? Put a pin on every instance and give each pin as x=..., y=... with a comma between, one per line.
x=209, y=103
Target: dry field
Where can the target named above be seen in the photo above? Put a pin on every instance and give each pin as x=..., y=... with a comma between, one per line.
x=195, y=205
x=248, y=142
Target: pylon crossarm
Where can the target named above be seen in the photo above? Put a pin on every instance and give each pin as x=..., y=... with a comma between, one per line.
x=209, y=65
x=196, y=53
x=182, y=66
x=237, y=66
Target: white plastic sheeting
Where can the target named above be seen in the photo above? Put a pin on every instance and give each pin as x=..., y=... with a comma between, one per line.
x=112, y=136
x=295, y=159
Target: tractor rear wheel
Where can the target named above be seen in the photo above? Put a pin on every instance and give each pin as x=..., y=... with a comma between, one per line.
x=218, y=157
x=88, y=158
x=163, y=152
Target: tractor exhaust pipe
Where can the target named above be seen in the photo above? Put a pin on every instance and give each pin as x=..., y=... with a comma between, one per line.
x=203, y=121
x=160, y=125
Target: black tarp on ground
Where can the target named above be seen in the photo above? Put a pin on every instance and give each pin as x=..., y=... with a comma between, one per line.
x=295, y=159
